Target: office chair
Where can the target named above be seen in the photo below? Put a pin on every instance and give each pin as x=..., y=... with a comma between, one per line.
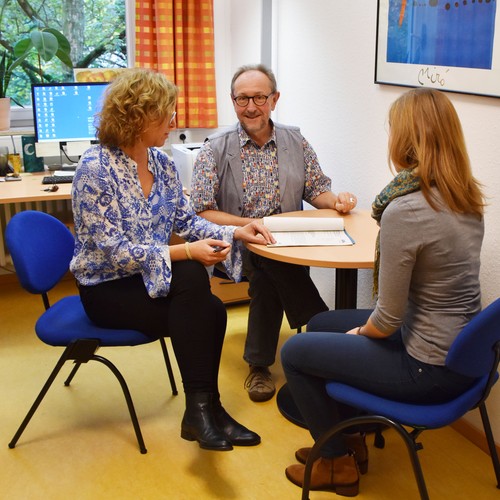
x=475, y=353
x=41, y=248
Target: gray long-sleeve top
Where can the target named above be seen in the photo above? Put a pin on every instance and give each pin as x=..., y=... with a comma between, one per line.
x=429, y=275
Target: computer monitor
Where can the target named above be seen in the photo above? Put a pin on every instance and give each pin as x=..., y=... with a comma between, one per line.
x=64, y=112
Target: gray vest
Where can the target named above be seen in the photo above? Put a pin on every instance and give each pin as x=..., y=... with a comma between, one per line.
x=226, y=149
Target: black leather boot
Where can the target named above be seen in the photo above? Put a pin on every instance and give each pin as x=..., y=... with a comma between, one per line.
x=236, y=433
x=198, y=423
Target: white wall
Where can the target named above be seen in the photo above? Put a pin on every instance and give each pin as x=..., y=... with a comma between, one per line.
x=324, y=57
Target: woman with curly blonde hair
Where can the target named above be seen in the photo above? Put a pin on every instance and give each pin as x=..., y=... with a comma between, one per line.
x=127, y=203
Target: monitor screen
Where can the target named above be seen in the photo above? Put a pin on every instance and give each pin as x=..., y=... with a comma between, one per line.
x=65, y=112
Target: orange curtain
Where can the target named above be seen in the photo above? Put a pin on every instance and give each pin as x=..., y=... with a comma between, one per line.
x=176, y=37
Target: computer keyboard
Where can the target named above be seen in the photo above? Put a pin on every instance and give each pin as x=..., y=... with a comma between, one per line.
x=58, y=179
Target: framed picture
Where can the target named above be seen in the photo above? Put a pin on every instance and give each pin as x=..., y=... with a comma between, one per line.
x=443, y=44
x=96, y=74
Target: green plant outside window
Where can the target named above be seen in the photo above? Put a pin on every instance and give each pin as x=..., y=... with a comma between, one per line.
x=46, y=39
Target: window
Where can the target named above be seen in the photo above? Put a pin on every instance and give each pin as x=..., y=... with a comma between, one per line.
x=96, y=30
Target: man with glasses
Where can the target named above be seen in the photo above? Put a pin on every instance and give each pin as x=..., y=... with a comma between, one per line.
x=255, y=169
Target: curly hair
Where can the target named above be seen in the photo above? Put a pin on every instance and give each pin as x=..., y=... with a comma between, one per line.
x=134, y=100
x=426, y=135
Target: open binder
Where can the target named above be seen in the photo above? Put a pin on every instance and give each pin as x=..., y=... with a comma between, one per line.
x=307, y=231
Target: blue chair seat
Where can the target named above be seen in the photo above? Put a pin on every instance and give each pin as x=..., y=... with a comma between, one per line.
x=413, y=415
x=66, y=321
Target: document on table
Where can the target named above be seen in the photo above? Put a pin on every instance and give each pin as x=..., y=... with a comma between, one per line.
x=307, y=231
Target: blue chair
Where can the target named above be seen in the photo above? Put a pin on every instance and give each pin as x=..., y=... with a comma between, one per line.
x=41, y=248
x=475, y=353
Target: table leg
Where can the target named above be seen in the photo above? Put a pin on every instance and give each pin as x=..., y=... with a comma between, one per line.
x=346, y=290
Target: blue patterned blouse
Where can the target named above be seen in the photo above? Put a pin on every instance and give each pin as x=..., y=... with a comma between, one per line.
x=120, y=233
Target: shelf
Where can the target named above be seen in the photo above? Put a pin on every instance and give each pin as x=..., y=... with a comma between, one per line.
x=17, y=131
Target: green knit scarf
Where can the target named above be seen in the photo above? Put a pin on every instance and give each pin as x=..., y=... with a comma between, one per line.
x=404, y=183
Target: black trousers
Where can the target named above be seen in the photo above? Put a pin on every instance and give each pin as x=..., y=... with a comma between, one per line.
x=190, y=315
x=276, y=287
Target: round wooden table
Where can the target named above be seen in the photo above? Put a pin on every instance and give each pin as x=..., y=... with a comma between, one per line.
x=360, y=226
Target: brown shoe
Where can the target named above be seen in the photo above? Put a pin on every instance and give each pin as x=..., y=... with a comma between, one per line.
x=259, y=384
x=329, y=474
x=355, y=442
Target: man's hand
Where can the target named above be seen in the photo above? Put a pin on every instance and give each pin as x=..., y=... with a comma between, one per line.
x=345, y=202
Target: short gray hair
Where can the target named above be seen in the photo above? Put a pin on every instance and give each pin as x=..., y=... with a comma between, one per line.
x=255, y=67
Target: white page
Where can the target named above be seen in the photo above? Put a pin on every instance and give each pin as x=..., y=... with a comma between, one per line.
x=311, y=238
x=307, y=231
x=63, y=173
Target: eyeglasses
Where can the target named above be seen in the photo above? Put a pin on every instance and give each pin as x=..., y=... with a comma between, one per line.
x=258, y=100
x=172, y=119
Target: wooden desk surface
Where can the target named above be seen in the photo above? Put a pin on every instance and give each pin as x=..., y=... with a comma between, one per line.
x=360, y=226
x=30, y=188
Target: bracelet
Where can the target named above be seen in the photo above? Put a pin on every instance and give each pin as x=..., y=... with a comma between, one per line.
x=188, y=252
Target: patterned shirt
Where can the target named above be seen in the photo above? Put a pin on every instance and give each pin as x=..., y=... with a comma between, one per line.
x=261, y=193
x=120, y=232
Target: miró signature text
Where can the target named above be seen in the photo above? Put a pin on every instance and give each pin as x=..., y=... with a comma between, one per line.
x=426, y=75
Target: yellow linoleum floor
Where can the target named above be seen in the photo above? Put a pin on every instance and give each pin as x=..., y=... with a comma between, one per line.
x=80, y=444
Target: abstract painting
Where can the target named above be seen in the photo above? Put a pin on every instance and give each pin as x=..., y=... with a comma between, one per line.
x=443, y=44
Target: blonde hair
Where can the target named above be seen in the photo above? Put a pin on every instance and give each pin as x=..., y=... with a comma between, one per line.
x=135, y=99
x=426, y=135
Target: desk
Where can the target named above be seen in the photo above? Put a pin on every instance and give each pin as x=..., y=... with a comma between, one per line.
x=345, y=259
x=29, y=194
x=30, y=188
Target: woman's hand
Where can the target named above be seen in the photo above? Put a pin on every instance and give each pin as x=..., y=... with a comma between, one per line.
x=208, y=252
x=369, y=330
x=254, y=232
x=345, y=202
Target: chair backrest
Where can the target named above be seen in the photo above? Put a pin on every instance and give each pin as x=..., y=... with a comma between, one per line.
x=41, y=248
x=472, y=353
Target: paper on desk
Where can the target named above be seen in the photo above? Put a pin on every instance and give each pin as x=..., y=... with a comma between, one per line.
x=307, y=231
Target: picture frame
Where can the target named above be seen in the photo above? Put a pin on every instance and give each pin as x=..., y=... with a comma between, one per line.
x=447, y=45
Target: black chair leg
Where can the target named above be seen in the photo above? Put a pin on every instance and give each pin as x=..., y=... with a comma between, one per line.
x=491, y=441
x=413, y=448
x=169, y=366
x=128, y=398
x=379, y=440
x=72, y=374
x=64, y=357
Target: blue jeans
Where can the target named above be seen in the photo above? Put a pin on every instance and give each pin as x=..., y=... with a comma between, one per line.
x=378, y=366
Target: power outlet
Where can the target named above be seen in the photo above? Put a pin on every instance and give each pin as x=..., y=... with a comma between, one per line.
x=179, y=136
